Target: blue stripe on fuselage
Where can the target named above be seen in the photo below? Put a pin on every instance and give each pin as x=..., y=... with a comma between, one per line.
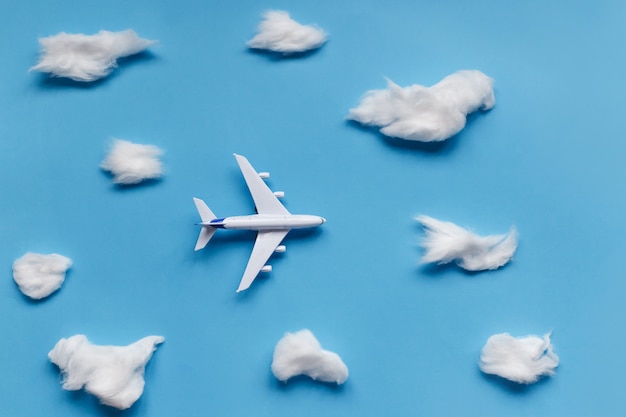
x=219, y=223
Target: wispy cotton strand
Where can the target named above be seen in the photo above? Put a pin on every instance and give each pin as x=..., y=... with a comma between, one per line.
x=446, y=242
x=114, y=374
x=87, y=57
x=426, y=114
x=38, y=275
x=278, y=32
x=520, y=359
x=132, y=163
x=301, y=354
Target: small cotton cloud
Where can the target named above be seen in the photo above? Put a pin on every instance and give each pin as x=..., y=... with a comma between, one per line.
x=38, y=275
x=520, y=359
x=301, y=354
x=87, y=57
x=446, y=242
x=114, y=374
x=131, y=163
x=426, y=114
x=280, y=33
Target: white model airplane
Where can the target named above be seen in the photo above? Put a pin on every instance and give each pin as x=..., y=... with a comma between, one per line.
x=272, y=222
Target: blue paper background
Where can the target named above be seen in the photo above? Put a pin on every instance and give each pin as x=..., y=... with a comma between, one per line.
x=548, y=158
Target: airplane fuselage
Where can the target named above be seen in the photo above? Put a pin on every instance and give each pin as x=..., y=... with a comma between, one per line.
x=266, y=222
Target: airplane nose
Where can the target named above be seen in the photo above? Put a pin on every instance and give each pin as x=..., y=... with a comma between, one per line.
x=323, y=220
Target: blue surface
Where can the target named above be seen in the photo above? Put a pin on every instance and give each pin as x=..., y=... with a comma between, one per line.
x=548, y=158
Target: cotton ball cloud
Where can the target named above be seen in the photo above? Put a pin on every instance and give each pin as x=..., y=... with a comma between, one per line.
x=301, y=354
x=278, y=32
x=426, y=114
x=87, y=57
x=38, y=275
x=114, y=374
x=131, y=163
x=520, y=359
x=446, y=242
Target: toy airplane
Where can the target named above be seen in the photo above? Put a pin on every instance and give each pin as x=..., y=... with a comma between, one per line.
x=272, y=222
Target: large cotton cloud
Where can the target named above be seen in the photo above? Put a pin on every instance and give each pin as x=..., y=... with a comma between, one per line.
x=131, y=163
x=520, y=359
x=426, y=114
x=38, y=275
x=446, y=242
x=280, y=33
x=87, y=57
x=114, y=374
x=301, y=354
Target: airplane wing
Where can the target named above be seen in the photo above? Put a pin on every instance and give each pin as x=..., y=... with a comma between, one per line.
x=264, y=246
x=264, y=199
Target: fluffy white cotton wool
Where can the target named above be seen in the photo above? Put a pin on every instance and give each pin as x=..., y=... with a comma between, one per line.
x=38, y=275
x=519, y=359
x=114, y=374
x=446, y=242
x=87, y=57
x=131, y=163
x=280, y=33
x=426, y=114
x=301, y=354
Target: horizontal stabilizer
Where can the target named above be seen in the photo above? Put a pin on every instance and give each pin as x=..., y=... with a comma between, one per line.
x=205, y=212
x=205, y=235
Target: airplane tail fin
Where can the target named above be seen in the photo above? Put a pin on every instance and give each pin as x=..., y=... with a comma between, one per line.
x=205, y=235
x=205, y=212
x=206, y=215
